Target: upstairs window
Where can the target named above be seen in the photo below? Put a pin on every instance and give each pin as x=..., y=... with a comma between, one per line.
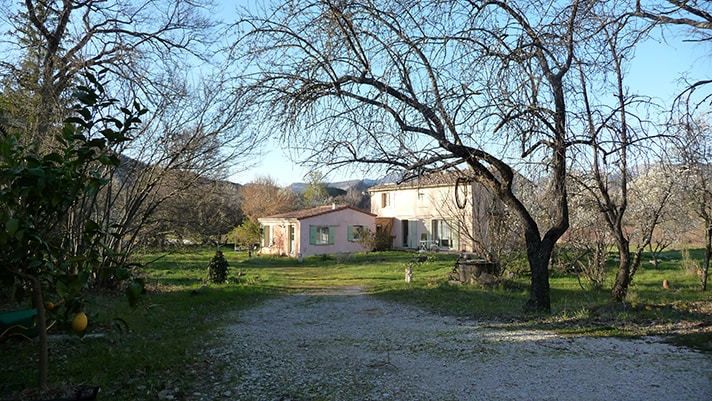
x=385, y=199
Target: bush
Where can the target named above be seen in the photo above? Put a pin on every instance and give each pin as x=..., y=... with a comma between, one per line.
x=383, y=241
x=217, y=269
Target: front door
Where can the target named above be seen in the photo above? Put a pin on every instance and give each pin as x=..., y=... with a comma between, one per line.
x=292, y=235
x=413, y=234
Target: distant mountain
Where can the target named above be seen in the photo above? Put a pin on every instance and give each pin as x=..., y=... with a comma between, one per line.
x=359, y=185
x=298, y=187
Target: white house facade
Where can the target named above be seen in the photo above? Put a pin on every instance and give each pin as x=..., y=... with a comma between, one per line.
x=425, y=213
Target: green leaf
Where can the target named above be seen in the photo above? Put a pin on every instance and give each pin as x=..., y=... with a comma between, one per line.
x=62, y=290
x=19, y=234
x=83, y=277
x=76, y=259
x=85, y=113
x=86, y=96
x=91, y=226
x=122, y=273
x=91, y=78
x=134, y=292
x=12, y=225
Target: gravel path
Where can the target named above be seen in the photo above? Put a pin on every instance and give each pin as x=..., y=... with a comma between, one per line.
x=350, y=346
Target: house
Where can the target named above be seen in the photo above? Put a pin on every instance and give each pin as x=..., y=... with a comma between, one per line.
x=317, y=231
x=426, y=214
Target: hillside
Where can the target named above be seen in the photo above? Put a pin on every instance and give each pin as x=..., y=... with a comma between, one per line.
x=357, y=185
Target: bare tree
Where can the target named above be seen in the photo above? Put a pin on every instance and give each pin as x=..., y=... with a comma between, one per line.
x=694, y=14
x=191, y=140
x=695, y=152
x=696, y=17
x=55, y=41
x=202, y=214
x=652, y=189
x=148, y=53
x=620, y=140
x=426, y=86
x=263, y=197
x=586, y=243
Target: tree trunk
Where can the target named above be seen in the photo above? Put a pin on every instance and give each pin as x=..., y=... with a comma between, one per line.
x=708, y=255
x=539, y=294
x=620, y=288
x=38, y=302
x=538, y=254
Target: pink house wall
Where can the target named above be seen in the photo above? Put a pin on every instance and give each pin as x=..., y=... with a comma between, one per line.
x=339, y=220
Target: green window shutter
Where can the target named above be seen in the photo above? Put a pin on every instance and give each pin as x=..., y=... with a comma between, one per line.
x=265, y=236
x=312, y=235
x=350, y=233
x=331, y=235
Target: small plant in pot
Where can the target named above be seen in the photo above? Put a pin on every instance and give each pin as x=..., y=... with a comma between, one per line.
x=39, y=193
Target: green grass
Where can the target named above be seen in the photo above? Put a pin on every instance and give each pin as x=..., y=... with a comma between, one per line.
x=161, y=344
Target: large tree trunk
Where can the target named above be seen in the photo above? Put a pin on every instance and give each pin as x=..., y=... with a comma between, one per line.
x=538, y=254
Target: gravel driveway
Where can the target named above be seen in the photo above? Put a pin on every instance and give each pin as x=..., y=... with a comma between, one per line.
x=347, y=345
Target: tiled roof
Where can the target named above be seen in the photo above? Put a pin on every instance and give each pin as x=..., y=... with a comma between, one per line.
x=315, y=211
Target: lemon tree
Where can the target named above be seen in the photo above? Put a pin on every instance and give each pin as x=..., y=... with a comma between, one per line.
x=38, y=191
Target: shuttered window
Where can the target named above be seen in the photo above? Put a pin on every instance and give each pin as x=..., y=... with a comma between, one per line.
x=321, y=235
x=354, y=232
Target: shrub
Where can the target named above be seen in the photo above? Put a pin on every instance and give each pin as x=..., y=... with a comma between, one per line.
x=383, y=241
x=217, y=269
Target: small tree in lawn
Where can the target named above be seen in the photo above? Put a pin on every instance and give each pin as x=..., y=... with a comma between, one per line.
x=217, y=269
x=38, y=192
x=246, y=235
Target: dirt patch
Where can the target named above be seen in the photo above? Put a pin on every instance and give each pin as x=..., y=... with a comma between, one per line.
x=345, y=345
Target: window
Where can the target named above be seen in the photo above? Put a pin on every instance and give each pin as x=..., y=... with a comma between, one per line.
x=266, y=238
x=385, y=199
x=442, y=233
x=321, y=235
x=354, y=232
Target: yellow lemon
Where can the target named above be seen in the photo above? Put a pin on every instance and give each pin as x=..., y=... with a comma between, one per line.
x=80, y=321
x=49, y=305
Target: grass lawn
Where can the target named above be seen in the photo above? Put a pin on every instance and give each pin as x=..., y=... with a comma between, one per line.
x=134, y=353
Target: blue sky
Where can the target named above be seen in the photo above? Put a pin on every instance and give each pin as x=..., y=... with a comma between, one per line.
x=655, y=71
